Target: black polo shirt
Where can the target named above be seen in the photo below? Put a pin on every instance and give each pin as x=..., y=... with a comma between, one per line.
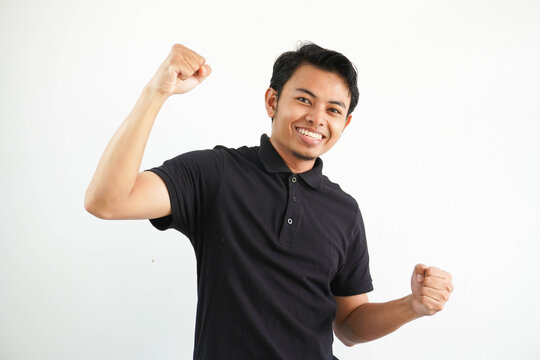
x=272, y=249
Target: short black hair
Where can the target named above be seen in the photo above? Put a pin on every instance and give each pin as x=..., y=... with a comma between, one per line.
x=324, y=59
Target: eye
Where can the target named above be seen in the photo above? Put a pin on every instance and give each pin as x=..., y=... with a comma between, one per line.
x=335, y=111
x=303, y=99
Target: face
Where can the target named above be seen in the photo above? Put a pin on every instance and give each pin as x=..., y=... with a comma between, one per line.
x=309, y=115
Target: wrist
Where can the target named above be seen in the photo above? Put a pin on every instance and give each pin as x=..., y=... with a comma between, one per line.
x=413, y=309
x=155, y=95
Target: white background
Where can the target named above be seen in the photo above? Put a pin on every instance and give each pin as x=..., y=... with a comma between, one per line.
x=442, y=155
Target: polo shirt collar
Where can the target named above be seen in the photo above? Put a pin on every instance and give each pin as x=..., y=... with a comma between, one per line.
x=273, y=163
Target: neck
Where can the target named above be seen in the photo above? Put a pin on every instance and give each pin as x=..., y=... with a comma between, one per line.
x=296, y=165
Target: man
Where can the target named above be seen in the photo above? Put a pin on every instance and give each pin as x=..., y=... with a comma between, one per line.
x=281, y=252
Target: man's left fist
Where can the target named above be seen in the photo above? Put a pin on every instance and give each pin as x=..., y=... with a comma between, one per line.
x=431, y=288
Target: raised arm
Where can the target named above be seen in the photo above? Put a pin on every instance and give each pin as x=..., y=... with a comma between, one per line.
x=118, y=190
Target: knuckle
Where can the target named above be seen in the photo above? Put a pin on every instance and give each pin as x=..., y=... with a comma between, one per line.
x=176, y=58
x=433, y=270
x=177, y=47
x=190, y=60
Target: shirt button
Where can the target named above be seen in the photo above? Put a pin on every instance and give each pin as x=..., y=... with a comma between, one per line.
x=289, y=221
x=293, y=179
x=294, y=198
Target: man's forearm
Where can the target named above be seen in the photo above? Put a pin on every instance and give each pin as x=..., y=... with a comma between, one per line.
x=119, y=165
x=371, y=321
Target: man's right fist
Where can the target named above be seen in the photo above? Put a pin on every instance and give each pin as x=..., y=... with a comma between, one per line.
x=181, y=71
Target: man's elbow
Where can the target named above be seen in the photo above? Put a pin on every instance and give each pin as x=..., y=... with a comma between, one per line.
x=349, y=343
x=344, y=341
x=349, y=340
x=95, y=207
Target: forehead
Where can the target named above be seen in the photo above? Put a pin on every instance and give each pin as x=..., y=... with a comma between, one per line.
x=324, y=84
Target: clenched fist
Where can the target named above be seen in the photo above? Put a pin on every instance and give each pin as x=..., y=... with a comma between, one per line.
x=182, y=70
x=431, y=288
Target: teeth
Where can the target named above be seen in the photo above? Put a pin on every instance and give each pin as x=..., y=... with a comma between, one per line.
x=310, y=134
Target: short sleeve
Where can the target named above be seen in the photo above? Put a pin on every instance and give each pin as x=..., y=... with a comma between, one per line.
x=353, y=277
x=192, y=180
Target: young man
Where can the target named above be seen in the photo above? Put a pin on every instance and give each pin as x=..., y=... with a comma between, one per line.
x=281, y=252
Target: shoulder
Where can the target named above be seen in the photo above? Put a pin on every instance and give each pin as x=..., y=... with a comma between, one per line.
x=217, y=158
x=243, y=153
x=333, y=190
x=341, y=205
x=218, y=153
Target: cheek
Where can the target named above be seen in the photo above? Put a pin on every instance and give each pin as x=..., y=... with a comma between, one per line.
x=285, y=117
x=289, y=109
x=335, y=129
x=279, y=125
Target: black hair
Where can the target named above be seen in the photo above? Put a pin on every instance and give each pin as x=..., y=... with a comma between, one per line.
x=324, y=59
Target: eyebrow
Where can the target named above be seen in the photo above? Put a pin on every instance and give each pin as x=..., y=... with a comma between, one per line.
x=335, y=102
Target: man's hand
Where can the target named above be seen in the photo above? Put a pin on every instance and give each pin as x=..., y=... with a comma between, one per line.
x=431, y=288
x=181, y=71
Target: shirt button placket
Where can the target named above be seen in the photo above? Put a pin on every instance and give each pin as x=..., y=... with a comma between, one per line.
x=292, y=188
x=292, y=191
x=291, y=214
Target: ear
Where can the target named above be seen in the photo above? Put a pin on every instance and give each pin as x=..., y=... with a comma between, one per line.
x=347, y=122
x=270, y=102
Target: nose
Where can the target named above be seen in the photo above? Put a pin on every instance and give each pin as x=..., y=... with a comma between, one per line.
x=316, y=117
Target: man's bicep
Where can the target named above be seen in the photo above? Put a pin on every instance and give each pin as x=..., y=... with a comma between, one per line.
x=149, y=199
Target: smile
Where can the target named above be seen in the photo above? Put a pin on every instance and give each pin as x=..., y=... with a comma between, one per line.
x=310, y=134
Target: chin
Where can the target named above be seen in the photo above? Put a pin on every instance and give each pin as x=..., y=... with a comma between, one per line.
x=306, y=157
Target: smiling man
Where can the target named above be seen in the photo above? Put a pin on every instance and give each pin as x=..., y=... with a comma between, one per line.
x=312, y=114
x=282, y=259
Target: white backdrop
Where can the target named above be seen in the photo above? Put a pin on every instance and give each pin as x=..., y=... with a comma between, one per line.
x=442, y=155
